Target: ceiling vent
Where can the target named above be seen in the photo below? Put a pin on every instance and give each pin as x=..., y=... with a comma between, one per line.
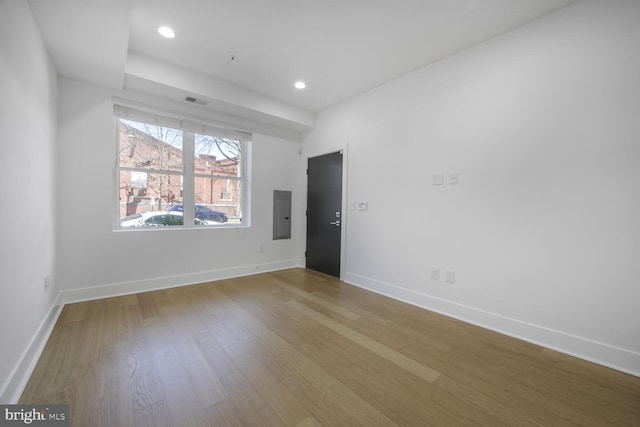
x=194, y=100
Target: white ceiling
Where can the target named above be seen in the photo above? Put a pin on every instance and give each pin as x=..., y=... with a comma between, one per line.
x=338, y=47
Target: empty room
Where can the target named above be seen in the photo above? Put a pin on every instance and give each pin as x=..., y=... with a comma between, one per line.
x=320, y=213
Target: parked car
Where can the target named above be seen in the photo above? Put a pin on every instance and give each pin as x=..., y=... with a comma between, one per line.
x=204, y=213
x=134, y=220
x=156, y=219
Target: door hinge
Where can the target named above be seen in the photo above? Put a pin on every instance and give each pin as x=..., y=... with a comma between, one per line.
x=305, y=254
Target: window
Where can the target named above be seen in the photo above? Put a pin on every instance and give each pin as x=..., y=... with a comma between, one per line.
x=176, y=173
x=227, y=195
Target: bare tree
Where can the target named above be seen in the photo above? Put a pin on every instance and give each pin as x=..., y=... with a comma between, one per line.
x=154, y=147
x=229, y=148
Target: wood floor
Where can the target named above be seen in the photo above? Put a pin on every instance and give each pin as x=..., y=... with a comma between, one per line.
x=296, y=348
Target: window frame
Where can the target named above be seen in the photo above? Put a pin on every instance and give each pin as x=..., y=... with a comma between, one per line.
x=189, y=127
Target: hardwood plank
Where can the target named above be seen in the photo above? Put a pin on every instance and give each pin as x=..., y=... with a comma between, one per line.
x=225, y=414
x=184, y=403
x=264, y=382
x=145, y=389
x=73, y=312
x=251, y=408
x=156, y=415
x=309, y=422
x=322, y=302
x=420, y=370
x=327, y=397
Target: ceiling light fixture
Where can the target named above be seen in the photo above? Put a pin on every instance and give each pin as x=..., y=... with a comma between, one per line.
x=166, y=32
x=300, y=85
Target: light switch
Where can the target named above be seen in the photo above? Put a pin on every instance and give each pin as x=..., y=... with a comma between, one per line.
x=437, y=179
x=362, y=206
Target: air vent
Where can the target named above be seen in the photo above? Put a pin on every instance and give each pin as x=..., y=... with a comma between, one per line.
x=195, y=100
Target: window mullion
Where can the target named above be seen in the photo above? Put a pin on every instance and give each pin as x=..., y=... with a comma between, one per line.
x=188, y=182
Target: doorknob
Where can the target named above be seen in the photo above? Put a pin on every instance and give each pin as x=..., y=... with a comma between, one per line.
x=336, y=223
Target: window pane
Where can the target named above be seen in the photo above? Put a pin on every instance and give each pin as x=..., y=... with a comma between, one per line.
x=217, y=200
x=148, y=205
x=217, y=156
x=146, y=146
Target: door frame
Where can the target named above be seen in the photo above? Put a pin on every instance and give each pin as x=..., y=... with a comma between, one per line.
x=344, y=216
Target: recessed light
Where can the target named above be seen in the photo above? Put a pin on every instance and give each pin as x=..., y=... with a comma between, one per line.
x=166, y=32
x=300, y=85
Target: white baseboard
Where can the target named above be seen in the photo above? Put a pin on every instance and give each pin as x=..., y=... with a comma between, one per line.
x=146, y=285
x=603, y=354
x=17, y=381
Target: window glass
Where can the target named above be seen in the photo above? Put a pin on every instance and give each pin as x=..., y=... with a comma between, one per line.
x=161, y=192
x=217, y=156
x=146, y=146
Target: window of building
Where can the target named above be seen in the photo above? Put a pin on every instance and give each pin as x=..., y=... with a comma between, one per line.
x=227, y=193
x=173, y=172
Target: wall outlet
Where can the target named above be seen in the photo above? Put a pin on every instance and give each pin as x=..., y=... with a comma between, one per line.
x=261, y=248
x=47, y=282
x=435, y=273
x=450, y=276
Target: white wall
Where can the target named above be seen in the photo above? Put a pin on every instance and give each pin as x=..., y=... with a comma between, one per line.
x=95, y=261
x=543, y=126
x=28, y=126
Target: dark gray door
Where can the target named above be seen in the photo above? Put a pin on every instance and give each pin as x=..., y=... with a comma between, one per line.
x=324, y=213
